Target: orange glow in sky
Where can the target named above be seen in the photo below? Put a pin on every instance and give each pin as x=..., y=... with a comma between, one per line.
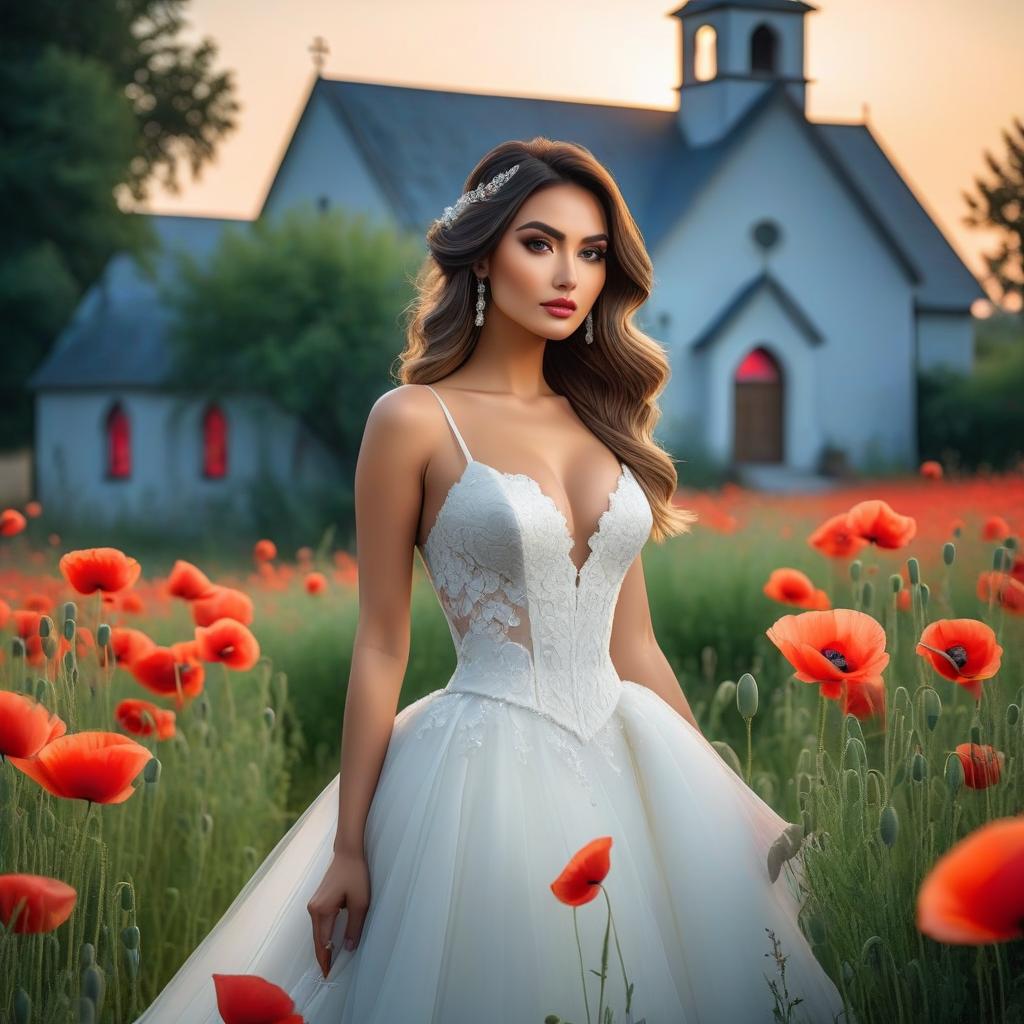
x=936, y=80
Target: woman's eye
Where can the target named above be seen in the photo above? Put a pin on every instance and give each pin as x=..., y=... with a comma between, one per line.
x=544, y=241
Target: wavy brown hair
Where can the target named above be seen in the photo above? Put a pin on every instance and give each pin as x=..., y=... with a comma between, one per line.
x=611, y=384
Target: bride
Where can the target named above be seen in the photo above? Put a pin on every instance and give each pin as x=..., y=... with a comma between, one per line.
x=517, y=455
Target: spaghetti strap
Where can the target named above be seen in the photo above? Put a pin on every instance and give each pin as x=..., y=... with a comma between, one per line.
x=451, y=423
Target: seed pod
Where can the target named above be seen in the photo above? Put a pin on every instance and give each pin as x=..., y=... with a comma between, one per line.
x=896, y=582
x=151, y=773
x=1012, y=714
x=746, y=696
x=867, y=594
x=45, y=625
x=913, y=570
x=925, y=594
x=949, y=552
x=998, y=559
x=889, y=825
x=103, y=634
x=954, y=772
x=932, y=708
x=855, y=568
x=69, y=629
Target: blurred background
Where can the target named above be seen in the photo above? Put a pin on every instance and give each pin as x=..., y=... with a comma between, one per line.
x=212, y=213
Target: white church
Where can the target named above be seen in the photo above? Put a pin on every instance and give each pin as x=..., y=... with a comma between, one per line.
x=799, y=282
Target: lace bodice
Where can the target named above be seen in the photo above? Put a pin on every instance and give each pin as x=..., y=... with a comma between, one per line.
x=528, y=627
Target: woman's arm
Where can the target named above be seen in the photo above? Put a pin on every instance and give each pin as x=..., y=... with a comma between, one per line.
x=388, y=498
x=634, y=649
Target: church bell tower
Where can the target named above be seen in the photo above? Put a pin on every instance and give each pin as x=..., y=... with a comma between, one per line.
x=732, y=51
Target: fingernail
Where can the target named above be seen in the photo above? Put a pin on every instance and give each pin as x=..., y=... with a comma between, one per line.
x=350, y=944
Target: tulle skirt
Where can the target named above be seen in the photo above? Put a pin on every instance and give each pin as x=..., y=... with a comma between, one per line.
x=479, y=806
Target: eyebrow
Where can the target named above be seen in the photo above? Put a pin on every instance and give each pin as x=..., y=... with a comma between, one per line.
x=555, y=233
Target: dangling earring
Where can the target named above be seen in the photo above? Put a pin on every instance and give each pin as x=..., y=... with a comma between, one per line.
x=479, y=302
x=590, y=328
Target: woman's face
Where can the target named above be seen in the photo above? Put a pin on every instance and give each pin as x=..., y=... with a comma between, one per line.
x=554, y=248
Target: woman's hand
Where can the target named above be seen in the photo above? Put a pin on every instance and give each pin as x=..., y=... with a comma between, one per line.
x=346, y=883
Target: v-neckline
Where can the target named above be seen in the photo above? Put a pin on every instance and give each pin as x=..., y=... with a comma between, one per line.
x=577, y=571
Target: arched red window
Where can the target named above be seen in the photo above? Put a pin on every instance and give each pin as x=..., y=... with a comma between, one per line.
x=215, y=442
x=119, y=444
x=758, y=365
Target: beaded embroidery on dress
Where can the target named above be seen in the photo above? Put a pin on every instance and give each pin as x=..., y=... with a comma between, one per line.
x=533, y=748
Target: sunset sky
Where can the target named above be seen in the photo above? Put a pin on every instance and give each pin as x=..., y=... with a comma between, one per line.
x=936, y=80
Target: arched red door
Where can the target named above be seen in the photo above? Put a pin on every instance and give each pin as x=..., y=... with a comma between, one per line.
x=758, y=408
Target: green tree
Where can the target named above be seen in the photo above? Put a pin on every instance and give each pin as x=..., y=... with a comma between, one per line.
x=99, y=99
x=306, y=308
x=1001, y=205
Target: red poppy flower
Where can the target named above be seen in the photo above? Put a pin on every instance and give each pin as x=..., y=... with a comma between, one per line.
x=315, y=583
x=878, y=524
x=38, y=603
x=129, y=644
x=973, y=895
x=832, y=647
x=222, y=603
x=931, y=470
x=963, y=650
x=264, y=550
x=995, y=528
x=5, y=613
x=95, y=766
x=33, y=509
x=835, y=538
x=227, y=641
x=161, y=670
x=865, y=700
x=26, y=725
x=983, y=765
x=250, y=999
x=188, y=582
x=106, y=569
x=131, y=714
x=1005, y=590
x=581, y=878
x=11, y=522
x=791, y=586
x=48, y=903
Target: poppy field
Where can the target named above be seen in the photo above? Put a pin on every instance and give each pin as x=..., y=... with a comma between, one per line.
x=855, y=656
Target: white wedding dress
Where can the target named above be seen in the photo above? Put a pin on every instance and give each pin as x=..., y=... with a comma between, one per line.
x=534, y=747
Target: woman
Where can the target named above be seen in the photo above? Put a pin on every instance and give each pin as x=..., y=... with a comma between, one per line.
x=526, y=473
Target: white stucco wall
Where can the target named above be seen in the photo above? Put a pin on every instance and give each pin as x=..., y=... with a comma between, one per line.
x=166, y=483
x=858, y=387
x=322, y=161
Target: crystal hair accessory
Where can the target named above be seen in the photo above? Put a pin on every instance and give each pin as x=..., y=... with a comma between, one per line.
x=482, y=191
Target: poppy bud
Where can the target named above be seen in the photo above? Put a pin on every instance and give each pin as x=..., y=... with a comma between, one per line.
x=1012, y=714
x=871, y=952
x=552, y=1018
x=92, y=983
x=728, y=755
x=70, y=611
x=746, y=695
x=17, y=647
x=49, y=646
x=103, y=634
x=69, y=662
x=976, y=731
x=925, y=594
x=151, y=773
x=131, y=960
x=22, y=1007
x=127, y=898
x=45, y=625
x=853, y=727
x=932, y=709
x=130, y=937
x=867, y=595
x=69, y=629
x=918, y=767
x=913, y=570
x=999, y=561
x=949, y=552
x=206, y=823
x=855, y=568
x=889, y=824
x=268, y=717
x=1011, y=542
x=896, y=582
x=954, y=773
